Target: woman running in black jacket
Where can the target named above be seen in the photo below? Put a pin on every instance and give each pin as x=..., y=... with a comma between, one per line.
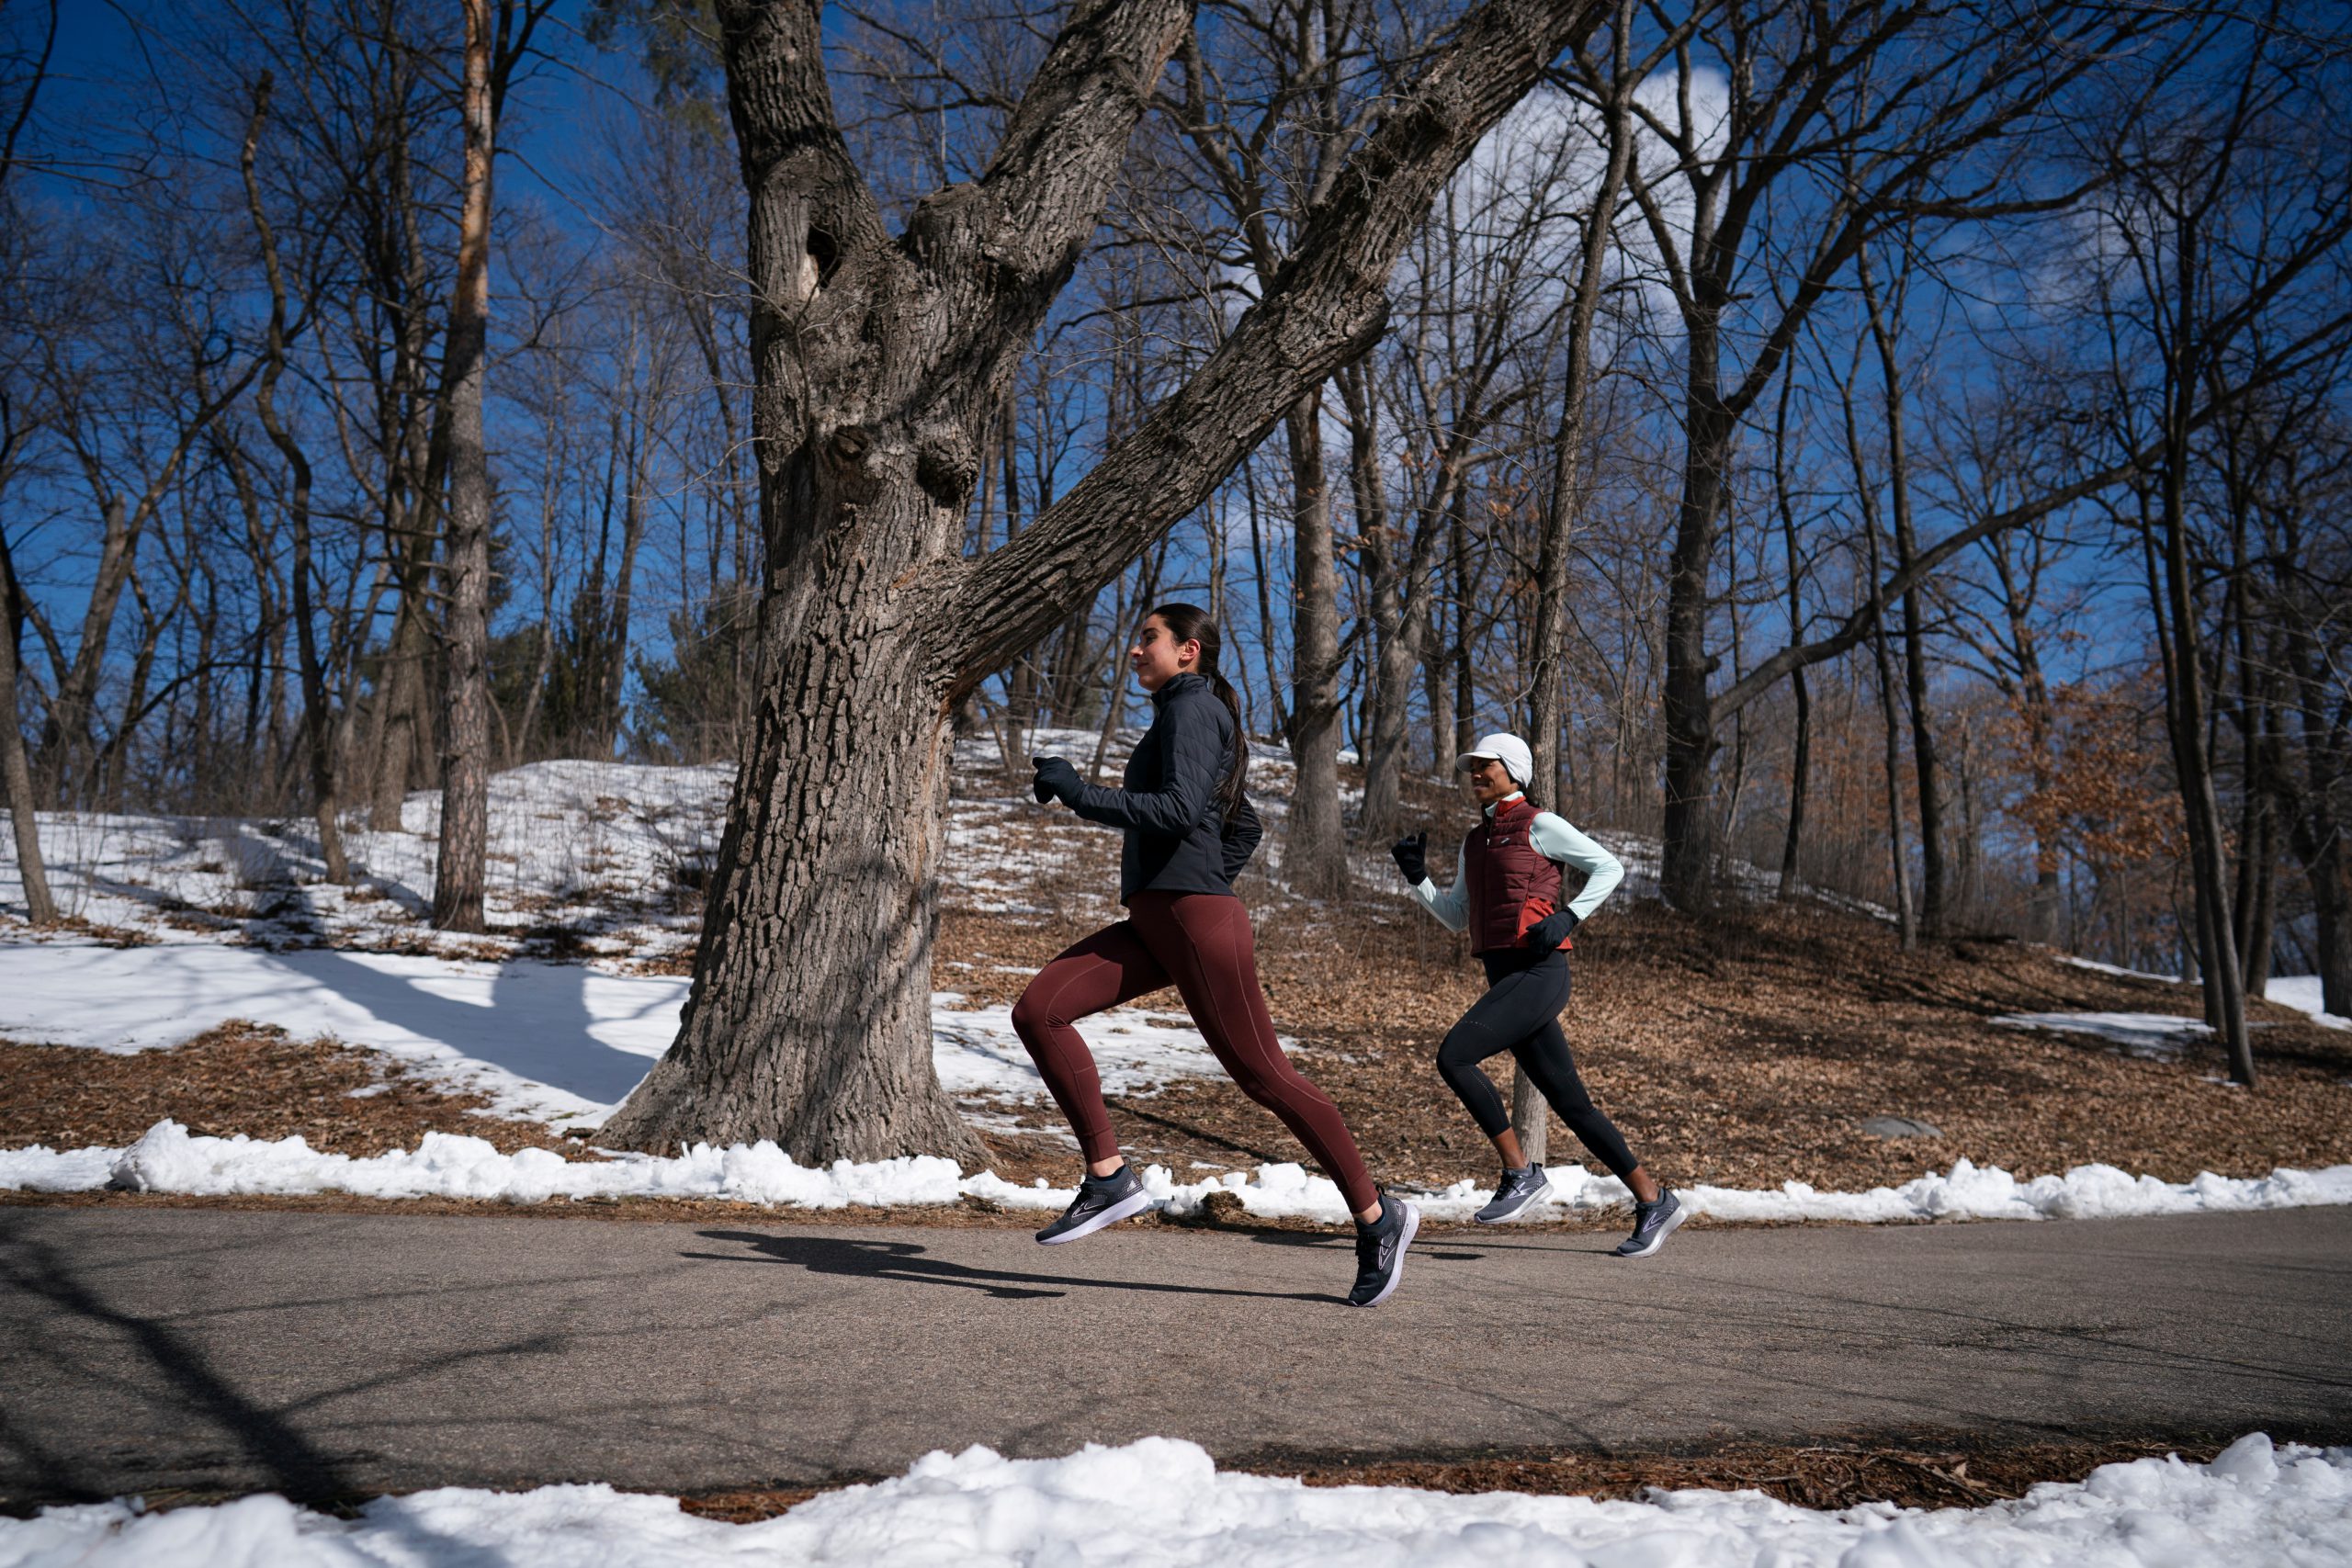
x=1189, y=832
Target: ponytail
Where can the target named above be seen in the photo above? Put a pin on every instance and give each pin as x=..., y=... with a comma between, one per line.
x=1189, y=622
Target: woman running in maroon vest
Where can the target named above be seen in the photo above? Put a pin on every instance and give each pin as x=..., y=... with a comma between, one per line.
x=1189, y=832
x=1506, y=893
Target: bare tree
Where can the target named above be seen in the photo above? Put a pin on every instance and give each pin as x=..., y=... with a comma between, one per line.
x=879, y=361
x=1907, y=97
x=492, y=50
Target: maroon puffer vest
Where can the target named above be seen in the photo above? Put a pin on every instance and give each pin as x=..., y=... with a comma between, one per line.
x=1513, y=884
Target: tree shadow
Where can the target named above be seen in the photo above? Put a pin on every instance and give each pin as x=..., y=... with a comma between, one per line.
x=872, y=1258
x=294, y=1465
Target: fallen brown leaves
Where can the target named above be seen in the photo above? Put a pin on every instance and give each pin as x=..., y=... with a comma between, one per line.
x=1741, y=1049
x=1941, y=1470
x=242, y=1078
x=1954, y=1471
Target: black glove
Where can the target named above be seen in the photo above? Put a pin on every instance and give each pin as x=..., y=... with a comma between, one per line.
x=1553, y=930
x=1412, y=858
x=1057, y=779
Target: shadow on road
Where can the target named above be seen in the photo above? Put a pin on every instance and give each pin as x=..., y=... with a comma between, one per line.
x=865, y=1259
x=281, y=1451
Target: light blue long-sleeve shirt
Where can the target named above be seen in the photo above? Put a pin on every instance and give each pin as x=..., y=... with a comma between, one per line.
x=1554, y=838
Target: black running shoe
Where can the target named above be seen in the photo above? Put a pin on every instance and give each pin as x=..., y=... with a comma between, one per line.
x=1101, y=1201
x=1379, y=1251
x=1653, y=1222
x=1517, y=1190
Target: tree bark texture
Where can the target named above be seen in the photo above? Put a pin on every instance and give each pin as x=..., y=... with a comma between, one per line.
x=15, y=769
x=878, y=362
x=1314, y=841
x=457, y=883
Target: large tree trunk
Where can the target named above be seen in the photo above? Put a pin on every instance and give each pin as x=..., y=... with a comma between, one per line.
x=457, y=883
x=878, y=361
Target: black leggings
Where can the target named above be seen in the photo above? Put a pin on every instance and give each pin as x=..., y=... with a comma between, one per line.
x=1521, y=1014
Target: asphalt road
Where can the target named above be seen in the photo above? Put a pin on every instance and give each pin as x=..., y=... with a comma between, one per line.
x=322, y=1354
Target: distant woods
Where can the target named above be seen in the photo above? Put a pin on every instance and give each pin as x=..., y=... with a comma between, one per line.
x=1889, y=452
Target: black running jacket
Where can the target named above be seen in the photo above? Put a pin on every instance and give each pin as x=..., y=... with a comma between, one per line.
x=1177, y=840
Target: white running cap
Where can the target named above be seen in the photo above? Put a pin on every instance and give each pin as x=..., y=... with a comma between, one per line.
x=1508, y=750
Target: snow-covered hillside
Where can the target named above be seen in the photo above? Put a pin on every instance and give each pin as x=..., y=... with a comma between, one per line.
x=184, y=924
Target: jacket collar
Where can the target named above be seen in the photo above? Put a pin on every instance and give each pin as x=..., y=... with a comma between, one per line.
x=1183, y=680
x=1515, y=799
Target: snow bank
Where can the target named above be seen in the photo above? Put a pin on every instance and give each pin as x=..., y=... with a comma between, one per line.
x=170, y=1159
x=1162, y=1504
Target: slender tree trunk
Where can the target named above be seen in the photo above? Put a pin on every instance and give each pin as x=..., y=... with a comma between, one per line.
x=1547, y=693
x=1394, y=654
x=1905, y=921
x=2184, y=667
x=1466, y=692
x=1928, y=782
x=318, y=727
x=1906, y=917
x=1688, y=847
x=1315, y=846
x=1800, y=749
x=15, y=768
x=458, y=882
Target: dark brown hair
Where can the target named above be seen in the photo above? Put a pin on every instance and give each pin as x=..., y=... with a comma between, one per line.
x=1189, y=622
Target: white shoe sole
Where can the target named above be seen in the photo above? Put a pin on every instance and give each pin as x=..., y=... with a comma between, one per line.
x=1133, y=1203
x=1524, y=1204
x=1404, y=1244
x=1674, y=1220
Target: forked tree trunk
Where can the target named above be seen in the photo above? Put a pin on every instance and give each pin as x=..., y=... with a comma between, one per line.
x=878, y=361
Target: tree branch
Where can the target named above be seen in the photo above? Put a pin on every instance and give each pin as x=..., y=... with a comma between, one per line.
x=1325, y=306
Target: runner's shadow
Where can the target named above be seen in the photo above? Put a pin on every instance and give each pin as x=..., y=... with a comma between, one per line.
x=866, y=1258
x=1329, y=1243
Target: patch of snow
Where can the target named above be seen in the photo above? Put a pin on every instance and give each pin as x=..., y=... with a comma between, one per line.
x=2115, y=969
x=1162, y=1503
x=2301, y=992
x=169, y=1158
x=2161, y=1035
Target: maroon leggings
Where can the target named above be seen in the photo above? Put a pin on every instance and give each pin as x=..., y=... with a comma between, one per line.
x=1201, y=943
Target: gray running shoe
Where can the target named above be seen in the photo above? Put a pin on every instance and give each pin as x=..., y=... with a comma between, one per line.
x=1379, y=1251
x=1517, y=1190
x=1101, y=1201
x=1653, y=1222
